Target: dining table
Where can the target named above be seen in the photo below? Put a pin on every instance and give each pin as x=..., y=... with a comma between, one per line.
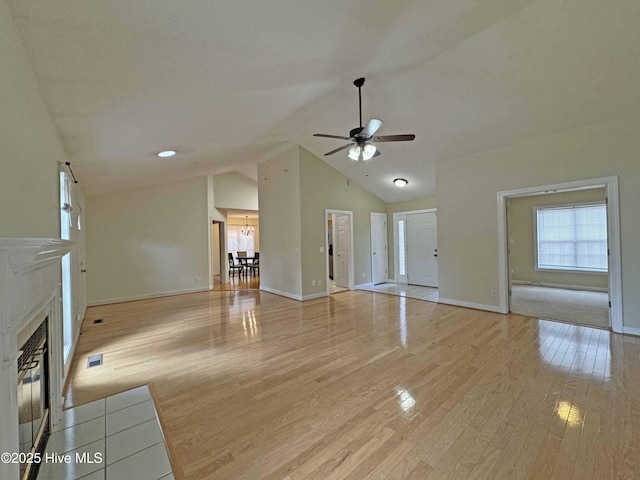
x=244, y=260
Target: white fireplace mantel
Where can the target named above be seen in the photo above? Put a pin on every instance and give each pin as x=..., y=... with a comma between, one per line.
x=28, y=254
x=30, y=290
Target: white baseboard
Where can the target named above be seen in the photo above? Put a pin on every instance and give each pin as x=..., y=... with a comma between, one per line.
x=314, y=295
x=560, y=285
x=145, y=297
x=632, y=330
x=363, y=285
x=476, y=306
x=391, y=280
x=281, y=293
x=293, y=296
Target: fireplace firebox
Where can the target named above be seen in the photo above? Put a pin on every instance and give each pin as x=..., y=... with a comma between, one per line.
x=33, y=400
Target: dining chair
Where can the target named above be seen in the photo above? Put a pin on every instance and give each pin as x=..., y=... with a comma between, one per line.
x=255, y=265
x=234, y=266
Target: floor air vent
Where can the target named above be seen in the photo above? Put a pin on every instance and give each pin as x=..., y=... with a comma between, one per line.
x=94, y=361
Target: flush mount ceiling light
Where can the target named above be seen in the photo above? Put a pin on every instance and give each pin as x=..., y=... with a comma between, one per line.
x=166, y=153
x=400, y=182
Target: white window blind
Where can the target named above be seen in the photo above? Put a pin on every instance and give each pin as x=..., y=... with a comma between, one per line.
x=572, y=238
x=236, y=241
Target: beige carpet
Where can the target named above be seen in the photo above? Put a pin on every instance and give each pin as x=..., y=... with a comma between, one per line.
x=575, y=306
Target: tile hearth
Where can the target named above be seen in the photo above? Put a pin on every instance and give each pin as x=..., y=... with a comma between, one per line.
x=121, y=434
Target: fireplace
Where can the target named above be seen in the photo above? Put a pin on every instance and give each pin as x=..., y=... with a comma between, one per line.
x=33, y=400
x=31, y=363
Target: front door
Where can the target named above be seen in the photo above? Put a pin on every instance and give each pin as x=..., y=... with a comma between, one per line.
x=422, y=251
x=341, y=250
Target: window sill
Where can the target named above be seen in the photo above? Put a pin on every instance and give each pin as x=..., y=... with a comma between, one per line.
x=571, y=270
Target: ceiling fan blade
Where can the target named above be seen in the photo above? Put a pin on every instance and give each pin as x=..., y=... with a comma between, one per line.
x=330, y=136
x=371, y=127
x=338, y=149
x=394, y=138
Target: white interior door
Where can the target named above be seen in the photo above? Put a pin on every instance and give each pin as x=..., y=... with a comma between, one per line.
x=422, y=249
x=378, y=248
x=341, y=250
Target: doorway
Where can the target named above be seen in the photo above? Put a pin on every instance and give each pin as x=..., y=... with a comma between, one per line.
x=558, y=256
x=379, y=259
x=339, y=250
x=416, y=248
x=613, y=271
x=218, y=248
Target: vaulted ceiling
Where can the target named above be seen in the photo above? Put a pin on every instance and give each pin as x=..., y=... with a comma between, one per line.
x=228, y=83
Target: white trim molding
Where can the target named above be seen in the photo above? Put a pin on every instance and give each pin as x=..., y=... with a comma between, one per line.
x=613, y=231
x=313, y=296
x=560, y=285
x=281, y=293
x=475, y=306
x=30, y=254
x=145, y=297
x=632, y=331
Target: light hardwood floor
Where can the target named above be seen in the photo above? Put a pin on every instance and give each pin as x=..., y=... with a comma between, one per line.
x=363, y=385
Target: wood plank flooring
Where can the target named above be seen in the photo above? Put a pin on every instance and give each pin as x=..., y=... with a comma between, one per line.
x=363, y=385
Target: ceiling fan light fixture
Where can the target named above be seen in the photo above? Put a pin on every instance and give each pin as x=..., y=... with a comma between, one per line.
x=354, y=152
x=400, y=182
x=368, y=151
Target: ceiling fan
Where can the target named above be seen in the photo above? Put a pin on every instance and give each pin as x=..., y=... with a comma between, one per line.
x=362, y=139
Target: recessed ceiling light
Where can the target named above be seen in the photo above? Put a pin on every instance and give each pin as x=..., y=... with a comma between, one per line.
x=166, y=153
x=400, y=182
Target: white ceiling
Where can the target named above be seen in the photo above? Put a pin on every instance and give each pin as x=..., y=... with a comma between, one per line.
x=227, y=83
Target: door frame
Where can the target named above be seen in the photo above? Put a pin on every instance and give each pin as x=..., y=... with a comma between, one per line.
x=610, y=184
x=222, y=225
x=386, y=246
x=328, y=211
x=396, y=253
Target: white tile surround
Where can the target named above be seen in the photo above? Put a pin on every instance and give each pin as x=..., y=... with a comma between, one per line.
x=29, y=292
x=124, y=429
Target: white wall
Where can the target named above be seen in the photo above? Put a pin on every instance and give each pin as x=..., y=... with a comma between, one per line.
x=235, y=191
x=295, y=189
x=219, y=216
x=467, y=203
x=323, y=187
x=280, y=244
x=149, y=241
x=30, y=147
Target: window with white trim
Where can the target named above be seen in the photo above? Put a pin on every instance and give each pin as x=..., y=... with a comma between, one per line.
x=572, y=238
x=236, y=240
x=401, y=252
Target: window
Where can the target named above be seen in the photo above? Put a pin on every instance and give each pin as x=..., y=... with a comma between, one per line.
x=66, y=224
x=401, y=254
x=572, y=238
x=238, y=241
